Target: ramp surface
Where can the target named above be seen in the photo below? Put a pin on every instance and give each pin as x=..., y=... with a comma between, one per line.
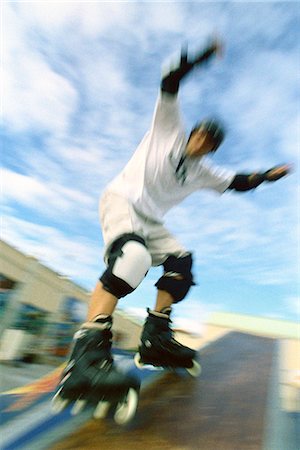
x=224, y=409
x=26, y=420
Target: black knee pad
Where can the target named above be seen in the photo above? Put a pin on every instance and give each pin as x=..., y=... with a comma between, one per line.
x=177, y=278
x=128, y=263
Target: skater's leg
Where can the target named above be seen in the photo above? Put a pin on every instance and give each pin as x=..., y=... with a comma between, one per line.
x=158, y=346
x=102, y=302
x=177, y=278
x=91, y=376
x=91, y=373
x=163, y=300
x=128, y=262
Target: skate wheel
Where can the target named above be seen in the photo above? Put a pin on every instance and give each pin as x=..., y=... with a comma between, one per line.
x=78, y=407
x=195, y=370
x=138, y=362
x=126, y=409
x=58, y=404
x=101, y=410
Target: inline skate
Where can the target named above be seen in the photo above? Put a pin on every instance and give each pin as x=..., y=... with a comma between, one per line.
x=159, y=348
x=91, y=377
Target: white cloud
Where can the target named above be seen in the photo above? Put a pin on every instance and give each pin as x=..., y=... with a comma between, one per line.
x=237, y=234
x=293, y=306
x=46, y=198
x=90, y=19
x=65, y=254
x=289, y=136
x=25, y=189
x=49, y=15
x=88, y=165
x=34, y=96
x=258, y=102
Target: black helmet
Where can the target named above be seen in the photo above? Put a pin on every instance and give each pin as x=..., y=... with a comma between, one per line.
x=214, y=128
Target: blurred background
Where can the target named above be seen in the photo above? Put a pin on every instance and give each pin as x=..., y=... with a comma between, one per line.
x=79, y=83
x=40, y=309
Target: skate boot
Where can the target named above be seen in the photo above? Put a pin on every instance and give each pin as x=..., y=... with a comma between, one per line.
x=160, y=349
x=91, y=377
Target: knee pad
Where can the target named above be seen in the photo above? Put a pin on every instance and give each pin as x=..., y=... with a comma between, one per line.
x=177, y=278
x=128, y=264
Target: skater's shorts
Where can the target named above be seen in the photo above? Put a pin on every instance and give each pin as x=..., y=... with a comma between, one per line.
x=117, y=217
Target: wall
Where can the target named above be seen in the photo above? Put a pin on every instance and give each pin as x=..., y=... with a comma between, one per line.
x=37, y=285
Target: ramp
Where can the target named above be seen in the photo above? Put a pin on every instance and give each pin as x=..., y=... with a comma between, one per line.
x=27, y=422
x=224, y=409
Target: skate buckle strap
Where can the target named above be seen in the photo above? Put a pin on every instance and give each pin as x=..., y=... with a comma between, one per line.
x=96, y=326
x=166, y=310
x=102, y=318
x=164, y=314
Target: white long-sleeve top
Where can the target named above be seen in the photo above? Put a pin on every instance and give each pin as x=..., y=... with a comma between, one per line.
x=158, y=176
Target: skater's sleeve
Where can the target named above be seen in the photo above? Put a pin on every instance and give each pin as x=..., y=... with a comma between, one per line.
x=213, y=177
x=166, y=117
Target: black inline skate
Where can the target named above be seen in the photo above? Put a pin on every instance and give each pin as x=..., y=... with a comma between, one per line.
x=158, y=347
x=91, y=377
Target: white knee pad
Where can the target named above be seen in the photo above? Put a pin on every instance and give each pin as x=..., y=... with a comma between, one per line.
x=128, y=263
x=133, y=265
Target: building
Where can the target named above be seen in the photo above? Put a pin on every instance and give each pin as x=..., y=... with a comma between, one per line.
x=36, y=301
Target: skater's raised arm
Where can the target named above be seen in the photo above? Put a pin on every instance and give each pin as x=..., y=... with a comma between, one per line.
x=242, y=182
x=167, y=112
x=170, y=82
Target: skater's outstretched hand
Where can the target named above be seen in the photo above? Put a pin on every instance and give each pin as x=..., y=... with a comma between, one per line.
x=170, y=82
x=214, y=48
x=277, y=172
x=188, y=62
x=242, y=182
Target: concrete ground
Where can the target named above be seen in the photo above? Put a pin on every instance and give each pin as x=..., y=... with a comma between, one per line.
x=18, y=374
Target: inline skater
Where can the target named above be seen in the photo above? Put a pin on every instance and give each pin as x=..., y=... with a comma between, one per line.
x=166, y=167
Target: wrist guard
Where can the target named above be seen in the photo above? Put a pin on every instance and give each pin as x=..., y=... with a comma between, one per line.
x=244, y=182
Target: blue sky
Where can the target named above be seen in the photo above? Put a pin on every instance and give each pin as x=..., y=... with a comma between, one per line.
x=80, y=84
